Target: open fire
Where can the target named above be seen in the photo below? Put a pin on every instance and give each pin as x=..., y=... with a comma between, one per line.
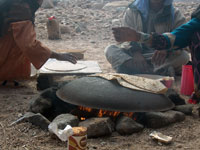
x=101, y=113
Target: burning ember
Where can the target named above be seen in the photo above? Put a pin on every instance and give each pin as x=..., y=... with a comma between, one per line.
x=102, y=113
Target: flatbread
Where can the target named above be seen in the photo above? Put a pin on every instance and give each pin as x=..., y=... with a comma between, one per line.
x=63, y=66
x=135, y=82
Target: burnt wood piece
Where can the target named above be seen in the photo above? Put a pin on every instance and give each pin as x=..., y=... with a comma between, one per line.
x=98, y=93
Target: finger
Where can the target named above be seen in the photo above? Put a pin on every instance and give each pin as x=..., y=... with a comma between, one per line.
x=159, y=59
x=69, y=57
x=163, y=59
x=156, y=58
x=72, y=59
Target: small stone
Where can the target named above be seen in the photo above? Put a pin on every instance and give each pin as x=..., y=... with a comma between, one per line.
x=47, y=4
x=97, y=127
x=93, y=42
x=64, y=29
x=78, y=29
x=127, y=126
x=41, y=104
x=20, y=115
x=97, y=5
x=179, y=146
x=103, y=143
x=116, y=23
x=49, y=105
x=162, y=119
x=37, y=120
x=81, y=26
x=186, y=109
x=116, y=4
x=66, y=119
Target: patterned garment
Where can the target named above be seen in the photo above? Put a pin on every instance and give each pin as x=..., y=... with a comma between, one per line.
x=161, y=42
x=195, y=52
x=185, y=35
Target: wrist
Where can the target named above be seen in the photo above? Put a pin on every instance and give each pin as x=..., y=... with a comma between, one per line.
x=54, y=55
x=143, y=37
x=138, y=36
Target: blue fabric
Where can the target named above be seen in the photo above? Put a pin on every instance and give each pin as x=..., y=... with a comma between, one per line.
x=184, y=32
x=143, y=7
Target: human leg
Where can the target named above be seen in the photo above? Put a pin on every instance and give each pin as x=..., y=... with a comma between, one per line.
x=126, y=61
x=117, y=56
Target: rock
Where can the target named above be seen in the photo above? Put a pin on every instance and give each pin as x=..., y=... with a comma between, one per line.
x=49, y=105
x=81, y=27
x=23, y=118
x=78, y=29
x=179, y=146
x=127, y=126
x=55, y=2
x=39, y=120
x=41, y=103
x=44, y=82
x=36, y=119
x=65, y=119
x=93, y=42
x=116, y=4
x=98, y=5
x=116, y=23
x=64, y=29
x=97, y=127
x=186, y=109
x=47, y=4
x=161, y=119
x=42, y=19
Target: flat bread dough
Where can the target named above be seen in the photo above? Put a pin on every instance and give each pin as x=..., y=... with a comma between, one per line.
x=63, y=66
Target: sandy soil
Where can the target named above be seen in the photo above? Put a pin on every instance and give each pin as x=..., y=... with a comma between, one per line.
x=14, y=101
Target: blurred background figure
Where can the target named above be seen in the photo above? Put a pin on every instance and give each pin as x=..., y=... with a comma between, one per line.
x=18, y=45
x=148, y=16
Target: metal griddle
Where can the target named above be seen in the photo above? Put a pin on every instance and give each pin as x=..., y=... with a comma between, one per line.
x=98, y=93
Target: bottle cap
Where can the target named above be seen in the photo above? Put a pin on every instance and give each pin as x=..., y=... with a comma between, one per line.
x=52, y=17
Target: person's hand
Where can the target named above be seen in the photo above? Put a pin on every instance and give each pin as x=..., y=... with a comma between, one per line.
x=140, y=63
x=159, y=57
x=64, y=57
x=125, y=34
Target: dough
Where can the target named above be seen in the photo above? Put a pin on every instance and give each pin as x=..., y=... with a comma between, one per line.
x=63, y=66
